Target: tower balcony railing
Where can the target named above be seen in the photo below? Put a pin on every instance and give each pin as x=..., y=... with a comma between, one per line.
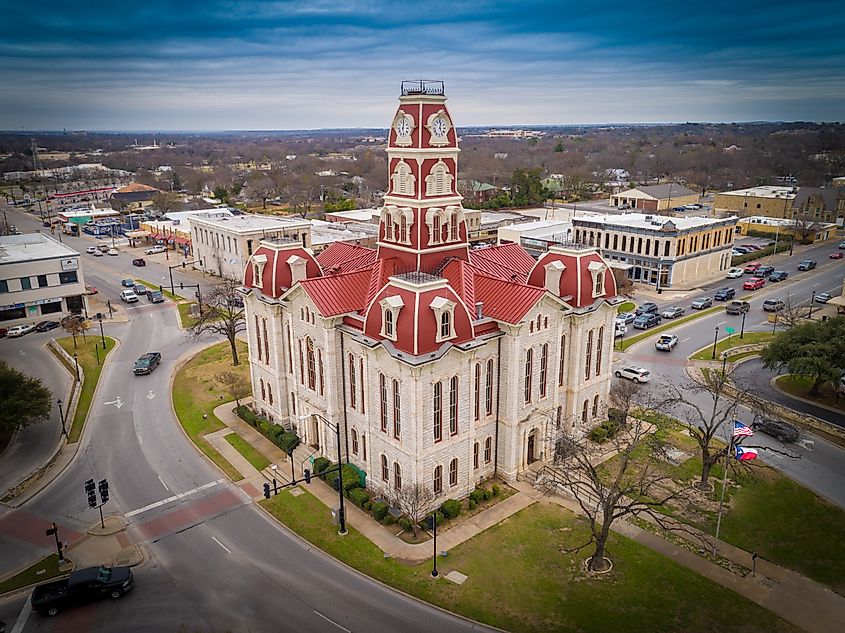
x=423, y=87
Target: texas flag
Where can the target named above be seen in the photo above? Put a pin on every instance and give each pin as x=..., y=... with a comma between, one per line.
x=745, y=454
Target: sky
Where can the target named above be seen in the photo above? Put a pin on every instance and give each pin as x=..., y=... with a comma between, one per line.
x=208, y=65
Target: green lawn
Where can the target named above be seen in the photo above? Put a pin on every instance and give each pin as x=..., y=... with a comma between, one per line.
x=706, y=353
x=668, y=324
x=542, y=589
x=258, y=461
x=87, y=357
x=197, y=393
x=166, y=293
x=800, y=386
x=48, y=566
x=628, y=306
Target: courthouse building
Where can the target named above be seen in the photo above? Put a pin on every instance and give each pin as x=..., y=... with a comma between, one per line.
x=441, y=364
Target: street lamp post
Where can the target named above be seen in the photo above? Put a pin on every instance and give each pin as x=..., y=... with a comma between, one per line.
x=76, y=363
x=742, y=327
x=342, y=509
x=102, y=334
x=715, y=340
x=62, y=417
x=434, y=572
x=812, y=301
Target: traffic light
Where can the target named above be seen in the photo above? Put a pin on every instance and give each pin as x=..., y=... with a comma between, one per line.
x=307, y=476
x=104, y=490
x=90, y=491
x=266, y=491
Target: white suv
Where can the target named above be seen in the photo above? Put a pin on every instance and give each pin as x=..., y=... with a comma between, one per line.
x=637, y=374
x=734, y=273
x=154, y=249
x=128, y=296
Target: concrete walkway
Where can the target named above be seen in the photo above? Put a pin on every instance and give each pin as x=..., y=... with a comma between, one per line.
x=799, y=600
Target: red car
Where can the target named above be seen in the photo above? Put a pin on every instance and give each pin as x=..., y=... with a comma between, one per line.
x=755, y=283
x=91, y=290
x=837, y=255
x=752, y=268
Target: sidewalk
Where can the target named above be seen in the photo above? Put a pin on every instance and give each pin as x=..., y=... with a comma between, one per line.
x=799, y=600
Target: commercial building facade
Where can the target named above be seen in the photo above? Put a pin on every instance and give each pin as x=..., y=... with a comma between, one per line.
x=655, y=197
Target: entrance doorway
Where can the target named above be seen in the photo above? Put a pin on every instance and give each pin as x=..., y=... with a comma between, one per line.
x=314, y=432
x=531, y=442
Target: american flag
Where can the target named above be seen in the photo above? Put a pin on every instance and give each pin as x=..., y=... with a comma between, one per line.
x=740, y=430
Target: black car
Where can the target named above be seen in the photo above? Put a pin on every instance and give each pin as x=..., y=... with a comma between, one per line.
x=147, y=363
x=764, y=271
x=139, y=262
x=724, y=294
x=806, y=264
x=155, y=296
x=776, y=428
x=81, y=586
x=778, y=275
x=46, y=326
x=647, y=308
x=646, y=321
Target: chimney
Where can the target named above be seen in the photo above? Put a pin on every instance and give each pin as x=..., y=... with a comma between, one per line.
x=297, y=269
x=478, y=306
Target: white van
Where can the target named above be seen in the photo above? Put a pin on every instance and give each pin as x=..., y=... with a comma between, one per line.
x=621, y=328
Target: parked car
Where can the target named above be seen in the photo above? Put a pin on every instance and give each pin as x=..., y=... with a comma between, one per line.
x=806, y=264
x=155, y=296
x=764, y=271
x=140, y=290
x=672, y=312
x=744, y=250
x=823, y=297
x=737, y=307
x=83, y=585
x=753, y=247
x=647, y=308
x=19, y=330
x=128, y=296
x=723, y=294
x=782, y=431
x=637, y=374
x=147, y=363
x=91, y=290
x=666, y=342
x=755, y=283
x=773, y=305
x=154, y=249
x=46, y=326
x=837, y=255
x=646, y=321
x=701, y=303
x=778, y=275
x=127, y=283
x=751, y=268
x=112, y=251
x=626, y=317
x=842, y=245
x=97, y=253
x=90, y=250
x=734, y=273
x=139, y=262
x=103, y=248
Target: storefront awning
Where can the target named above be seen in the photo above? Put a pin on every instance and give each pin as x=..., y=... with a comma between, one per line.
x=137, y=233
x=182, y=240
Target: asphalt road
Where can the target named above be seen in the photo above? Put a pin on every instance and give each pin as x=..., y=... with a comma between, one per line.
x=216, y=562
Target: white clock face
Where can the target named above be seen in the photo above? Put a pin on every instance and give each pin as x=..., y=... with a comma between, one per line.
x=403, y=127
x=439, y=127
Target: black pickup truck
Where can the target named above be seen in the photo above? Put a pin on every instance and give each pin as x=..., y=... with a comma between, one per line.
x=81, y=586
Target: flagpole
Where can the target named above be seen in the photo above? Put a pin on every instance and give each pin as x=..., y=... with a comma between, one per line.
x=722, y=496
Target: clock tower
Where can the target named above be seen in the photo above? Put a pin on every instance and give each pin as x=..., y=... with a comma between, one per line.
x=422, y=220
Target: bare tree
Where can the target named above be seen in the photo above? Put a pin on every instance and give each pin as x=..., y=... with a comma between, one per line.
x=166, y=201
x=630, y=484
x=624, y=286
x=75, y=325
x=707, y=403
x=235, y=384
x=415, y=501
x=805, y=227
x=792, y=313
x=259, y=186
x=222, y=314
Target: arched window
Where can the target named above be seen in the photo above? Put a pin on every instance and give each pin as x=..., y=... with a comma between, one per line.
x=436, y=230
x=529, y=368
x=403, y=228
x=562, y=361
x=595, y=405
x=385, y=471
x=312, y=369
x=453, y=226
x=558, y=417
x=293, y=402
x=599, y=344
x=382, y=381
x=439, y=180
x=320, y=371
x=353, y=387
x=263, y=393
x=301, y=363
x=258, y=337
x=364, y=446
x=270, y=393
x=388, y=226
x=397, y=476
x=589, y=355
x=388, y=323
x=453, y=472
x=475, y=455
x=584, y=412
x=544, y=364
x=445, y=325
x=488, y=389
x=438, y=411
x=290, y=347
x=361, y=375
x=438, y=480
x=397, y=409
x=488, y=450
x=476, y=392
x=598, y=288
x=266, y=343
x=354, y=441
x=453, y=406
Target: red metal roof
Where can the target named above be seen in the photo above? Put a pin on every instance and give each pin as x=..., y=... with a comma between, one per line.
x=346, y=257
x=461, y=276
x=505, y=300
x=339, y=294
x=506, y=261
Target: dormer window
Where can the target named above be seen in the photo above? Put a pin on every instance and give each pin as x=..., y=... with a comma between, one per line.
x=258, y=262
x=444, y=312
x=598, y=270
x=390, y=307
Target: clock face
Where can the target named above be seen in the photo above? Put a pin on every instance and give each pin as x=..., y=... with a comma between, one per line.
x=403, y=127
x=439, y=127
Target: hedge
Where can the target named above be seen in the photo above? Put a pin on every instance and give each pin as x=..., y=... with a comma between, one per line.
x=359, y=496
x=286, y=440
x=451, y=508
x=605, y=431
x=321, y=465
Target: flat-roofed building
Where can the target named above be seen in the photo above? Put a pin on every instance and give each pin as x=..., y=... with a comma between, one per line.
x=40, y=279
x=655, y=249
x=804, y=230
x=768, y=200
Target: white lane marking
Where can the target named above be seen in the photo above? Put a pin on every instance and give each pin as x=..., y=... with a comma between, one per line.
x=228, y=551
x=140, y=441
x=150, y=395
x=721, y=323
x=23, y=617
x=684, y=340
x=327, y=619
x=173, y=498
x=162, y=483
x=116, y=402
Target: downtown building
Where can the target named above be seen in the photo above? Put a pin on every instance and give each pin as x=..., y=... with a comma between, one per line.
x=441, y=364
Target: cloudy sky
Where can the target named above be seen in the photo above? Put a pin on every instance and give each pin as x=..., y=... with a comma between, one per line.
x=207, y=65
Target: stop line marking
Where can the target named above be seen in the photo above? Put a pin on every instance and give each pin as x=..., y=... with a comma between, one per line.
x=176, y=497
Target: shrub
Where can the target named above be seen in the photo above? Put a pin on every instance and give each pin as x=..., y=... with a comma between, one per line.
x=615, y=415
x=605, y=431
x=321, y=464
x=496, y=490
x=439, y=518
x=288, y=441
x=389, y=519
x=359, y=496
x=351, y=478
x=451, y=508
x=477, y=495
x=368, y=505
x=405, y=523
x=380, y=510
x=246, y=414
x=471, y=504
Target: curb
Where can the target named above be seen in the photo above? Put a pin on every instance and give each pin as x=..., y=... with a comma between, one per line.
x=776, y=387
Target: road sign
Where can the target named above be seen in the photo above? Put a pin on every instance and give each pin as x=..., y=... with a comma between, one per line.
x=730, y=330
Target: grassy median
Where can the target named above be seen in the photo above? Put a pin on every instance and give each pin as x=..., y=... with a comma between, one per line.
x=667, y=324
x=91, y=356
x=45, y=569
x=732, y=341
